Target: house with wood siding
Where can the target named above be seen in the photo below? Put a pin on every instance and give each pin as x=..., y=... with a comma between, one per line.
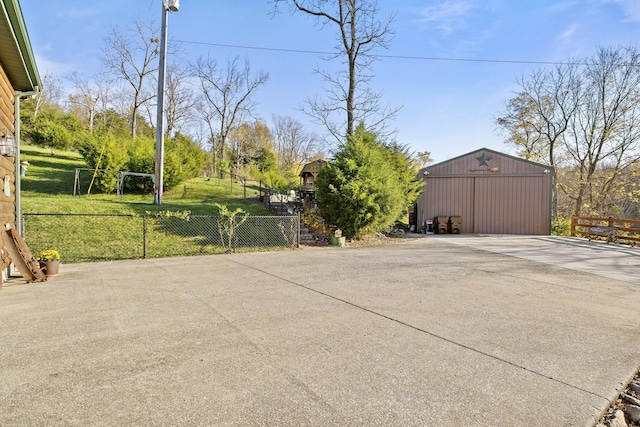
x=19, y=79
x=493, y=193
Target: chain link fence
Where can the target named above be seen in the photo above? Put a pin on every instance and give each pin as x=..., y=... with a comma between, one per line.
x=102, y=237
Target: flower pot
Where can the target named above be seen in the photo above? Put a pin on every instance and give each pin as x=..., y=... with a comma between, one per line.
x=50, y=268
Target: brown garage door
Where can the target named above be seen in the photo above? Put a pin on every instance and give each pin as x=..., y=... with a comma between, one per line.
x=510, y=205
x=491, y=204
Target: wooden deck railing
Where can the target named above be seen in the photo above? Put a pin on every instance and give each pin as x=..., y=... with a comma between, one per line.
x=626, y=229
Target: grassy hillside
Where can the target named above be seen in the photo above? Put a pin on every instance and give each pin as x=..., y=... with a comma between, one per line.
x=48, y=184
x=47, y=188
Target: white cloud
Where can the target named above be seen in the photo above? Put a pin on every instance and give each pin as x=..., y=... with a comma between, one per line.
x=631, y=9
x=567, y=35
x=448, y=15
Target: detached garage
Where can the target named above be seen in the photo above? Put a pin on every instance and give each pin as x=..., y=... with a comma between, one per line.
x=494, y=193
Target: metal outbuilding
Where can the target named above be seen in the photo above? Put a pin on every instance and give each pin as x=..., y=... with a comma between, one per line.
x=492, y=192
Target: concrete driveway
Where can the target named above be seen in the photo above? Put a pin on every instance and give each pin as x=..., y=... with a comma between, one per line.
x=486, y=331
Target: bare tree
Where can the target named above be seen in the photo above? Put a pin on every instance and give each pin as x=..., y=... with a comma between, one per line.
x=538, y=116
x=179, y=98
x=358, y=34
x=121, y=101
x=90, y=97
x=132, y=57
x=582, y=118
x=84, y=100
x=227, y=97
x=294, y=145
x=50, y=93
x=605, y=136
x=247, y=141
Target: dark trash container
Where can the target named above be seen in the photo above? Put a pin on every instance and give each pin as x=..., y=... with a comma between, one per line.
x=441, y=223
x=455, y=224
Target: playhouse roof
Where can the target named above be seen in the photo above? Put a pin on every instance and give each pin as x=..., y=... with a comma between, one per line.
x=313, y=167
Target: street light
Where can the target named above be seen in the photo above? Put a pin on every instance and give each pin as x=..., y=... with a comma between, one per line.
x=173, y=6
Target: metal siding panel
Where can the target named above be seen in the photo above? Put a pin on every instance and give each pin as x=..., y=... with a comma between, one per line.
x=495, y=209
x=513, y=211
x=501, y=191
x=469, y=214
x=449, y=197
x=546, y=188
x=483, y=193
x=490, y=206
x=477, y=208
x=481, y=205
x=533, y=217
x=510, y=205
x=465, y=204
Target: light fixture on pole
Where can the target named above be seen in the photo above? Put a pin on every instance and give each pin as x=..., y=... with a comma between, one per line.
x=173, y=6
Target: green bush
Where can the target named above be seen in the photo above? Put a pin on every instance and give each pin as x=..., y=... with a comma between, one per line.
x=266, y=169
x=47, y=133
x=368, y=187
x=183, y=160
x=142, y=155
x=561, y=227
x=103, y=150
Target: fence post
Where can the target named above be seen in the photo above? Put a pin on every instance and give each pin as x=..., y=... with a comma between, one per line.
x=244, y=183
x=75, y=182
x=573, y=225
x=232, y=235
x=298, y=244
x=144, y=236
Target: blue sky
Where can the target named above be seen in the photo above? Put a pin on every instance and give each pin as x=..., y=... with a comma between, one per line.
x=448, y=106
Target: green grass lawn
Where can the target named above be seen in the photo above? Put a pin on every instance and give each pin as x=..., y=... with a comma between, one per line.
x=48, y=186
x=86, y=235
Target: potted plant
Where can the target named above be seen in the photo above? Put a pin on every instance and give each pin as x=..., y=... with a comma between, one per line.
x=49, y=261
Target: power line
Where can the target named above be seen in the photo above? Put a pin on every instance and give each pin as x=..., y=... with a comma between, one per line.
x=408, y=57
x=274, y=49
x=495, y=61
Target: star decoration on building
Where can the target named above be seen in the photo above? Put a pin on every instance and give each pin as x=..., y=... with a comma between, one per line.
x=483, y=160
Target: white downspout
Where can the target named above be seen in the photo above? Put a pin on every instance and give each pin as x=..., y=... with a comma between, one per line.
x=16, y=124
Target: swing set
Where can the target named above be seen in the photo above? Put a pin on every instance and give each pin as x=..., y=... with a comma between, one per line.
x=121, y=175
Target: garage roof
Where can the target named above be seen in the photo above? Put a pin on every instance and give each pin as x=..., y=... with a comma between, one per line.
x=16, y=55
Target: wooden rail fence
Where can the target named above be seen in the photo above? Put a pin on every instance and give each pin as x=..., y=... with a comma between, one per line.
x=591, y=227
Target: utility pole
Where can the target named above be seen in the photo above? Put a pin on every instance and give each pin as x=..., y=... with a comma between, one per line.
x=167, y=6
